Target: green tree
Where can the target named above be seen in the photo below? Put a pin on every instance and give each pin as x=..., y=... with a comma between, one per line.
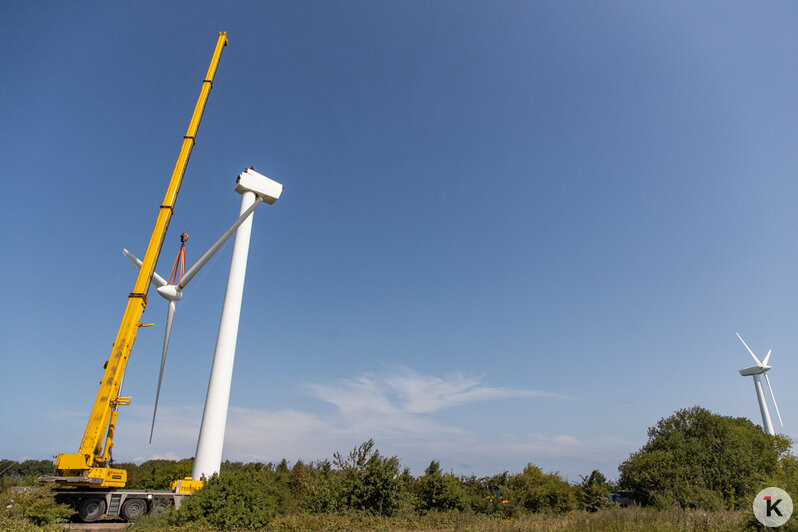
x=240, y=499
x=697, y=459
x=487, y=495
x=157, y=474
x=369, y=481
x=439, y=492
x=13, y=473
x=593, y=492
x=318, y=488
x=407, y=486
x=536, y=491
x=33, y=468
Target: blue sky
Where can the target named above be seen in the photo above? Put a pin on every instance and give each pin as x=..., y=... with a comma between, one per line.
x=510, y=232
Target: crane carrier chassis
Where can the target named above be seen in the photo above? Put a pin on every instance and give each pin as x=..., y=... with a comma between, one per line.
x=128, y=504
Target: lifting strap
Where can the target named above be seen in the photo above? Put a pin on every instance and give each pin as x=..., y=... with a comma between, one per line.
x=179, y=267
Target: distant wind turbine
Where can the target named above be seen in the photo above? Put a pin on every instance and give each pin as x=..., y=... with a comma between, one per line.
x=760, y=369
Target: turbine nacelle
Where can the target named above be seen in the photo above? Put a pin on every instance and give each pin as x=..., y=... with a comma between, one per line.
x=745, y=372
x=268, y=190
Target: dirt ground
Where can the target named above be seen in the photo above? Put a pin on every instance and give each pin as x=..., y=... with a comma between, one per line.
x=102, y=526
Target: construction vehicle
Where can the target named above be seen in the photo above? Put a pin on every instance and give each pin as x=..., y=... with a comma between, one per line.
x=86, y=479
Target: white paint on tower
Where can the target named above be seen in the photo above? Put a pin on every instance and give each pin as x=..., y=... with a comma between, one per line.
x=214, y=418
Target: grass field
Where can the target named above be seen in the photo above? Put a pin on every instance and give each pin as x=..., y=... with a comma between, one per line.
x=612, y=520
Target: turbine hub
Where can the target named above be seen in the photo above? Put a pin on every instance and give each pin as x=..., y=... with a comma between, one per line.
x=170, y=292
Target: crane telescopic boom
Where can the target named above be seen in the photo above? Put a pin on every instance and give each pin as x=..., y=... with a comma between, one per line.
x=90, y=467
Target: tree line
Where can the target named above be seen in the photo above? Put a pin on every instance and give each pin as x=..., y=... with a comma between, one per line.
x=692, y=459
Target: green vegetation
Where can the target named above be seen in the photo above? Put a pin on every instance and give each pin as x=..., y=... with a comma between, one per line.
x=28, y=508
x=439, y=492
x=697, y=471
x=368, y=481
x=25, y=473
x=697, y=459
x=593, y=493
x=246, y=497
x=23, y=504
x=156, y=474
x=537, y=492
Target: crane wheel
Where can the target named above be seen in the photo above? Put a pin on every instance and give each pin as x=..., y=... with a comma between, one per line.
x=132, y=509
x=159, y=506
x=91, y=509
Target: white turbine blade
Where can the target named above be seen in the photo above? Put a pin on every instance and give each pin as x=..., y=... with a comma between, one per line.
x=758, y=363
x=774, y=399
x=170, y=314
x=157, y=280
x=765, y=362
x=205, y=257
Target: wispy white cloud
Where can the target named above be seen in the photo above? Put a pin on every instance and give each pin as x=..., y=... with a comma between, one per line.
x=401, y=410
x=371, y=404
x=426, y=393
x=406, y=399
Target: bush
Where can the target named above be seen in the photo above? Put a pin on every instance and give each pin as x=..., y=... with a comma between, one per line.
x=242, y=498
x=156, y=474
x=369, y=481
x=488, y=495
x=317, y=487
x=35, y=506
x=593, y=493
x=697, y=459
x=439, y=492
x=536, y=491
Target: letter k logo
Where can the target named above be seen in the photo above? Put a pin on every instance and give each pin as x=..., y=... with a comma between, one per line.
x=772, y=507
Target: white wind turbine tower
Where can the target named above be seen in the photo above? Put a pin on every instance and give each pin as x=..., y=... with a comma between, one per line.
x=756, y=372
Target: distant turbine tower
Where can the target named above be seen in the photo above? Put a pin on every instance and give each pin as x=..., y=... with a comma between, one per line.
x=761, y=368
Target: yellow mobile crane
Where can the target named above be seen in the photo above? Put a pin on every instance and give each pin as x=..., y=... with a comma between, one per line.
x=90, y=467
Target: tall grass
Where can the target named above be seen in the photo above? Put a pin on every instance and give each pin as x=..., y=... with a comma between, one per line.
x=610, y=520
x=624, y=520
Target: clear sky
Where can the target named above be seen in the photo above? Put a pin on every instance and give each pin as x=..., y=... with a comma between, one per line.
x=511, y=232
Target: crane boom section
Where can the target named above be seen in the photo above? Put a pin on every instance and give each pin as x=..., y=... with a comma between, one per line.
x=89, y=468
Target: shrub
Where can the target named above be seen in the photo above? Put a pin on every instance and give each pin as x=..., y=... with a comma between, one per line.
x=32, y=505
x=439, y=492
x=156, y=474
x=488, y=495
x=317, y=487
x=540, y=492
x=697, y=459
x=242, y=498
x=593, y=493
x=369, y=481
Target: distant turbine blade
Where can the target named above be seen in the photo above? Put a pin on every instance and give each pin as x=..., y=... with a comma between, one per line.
x=170, y=314
x=157, y=280
x=774, y=399
x=765, y=362
x=758, y=363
